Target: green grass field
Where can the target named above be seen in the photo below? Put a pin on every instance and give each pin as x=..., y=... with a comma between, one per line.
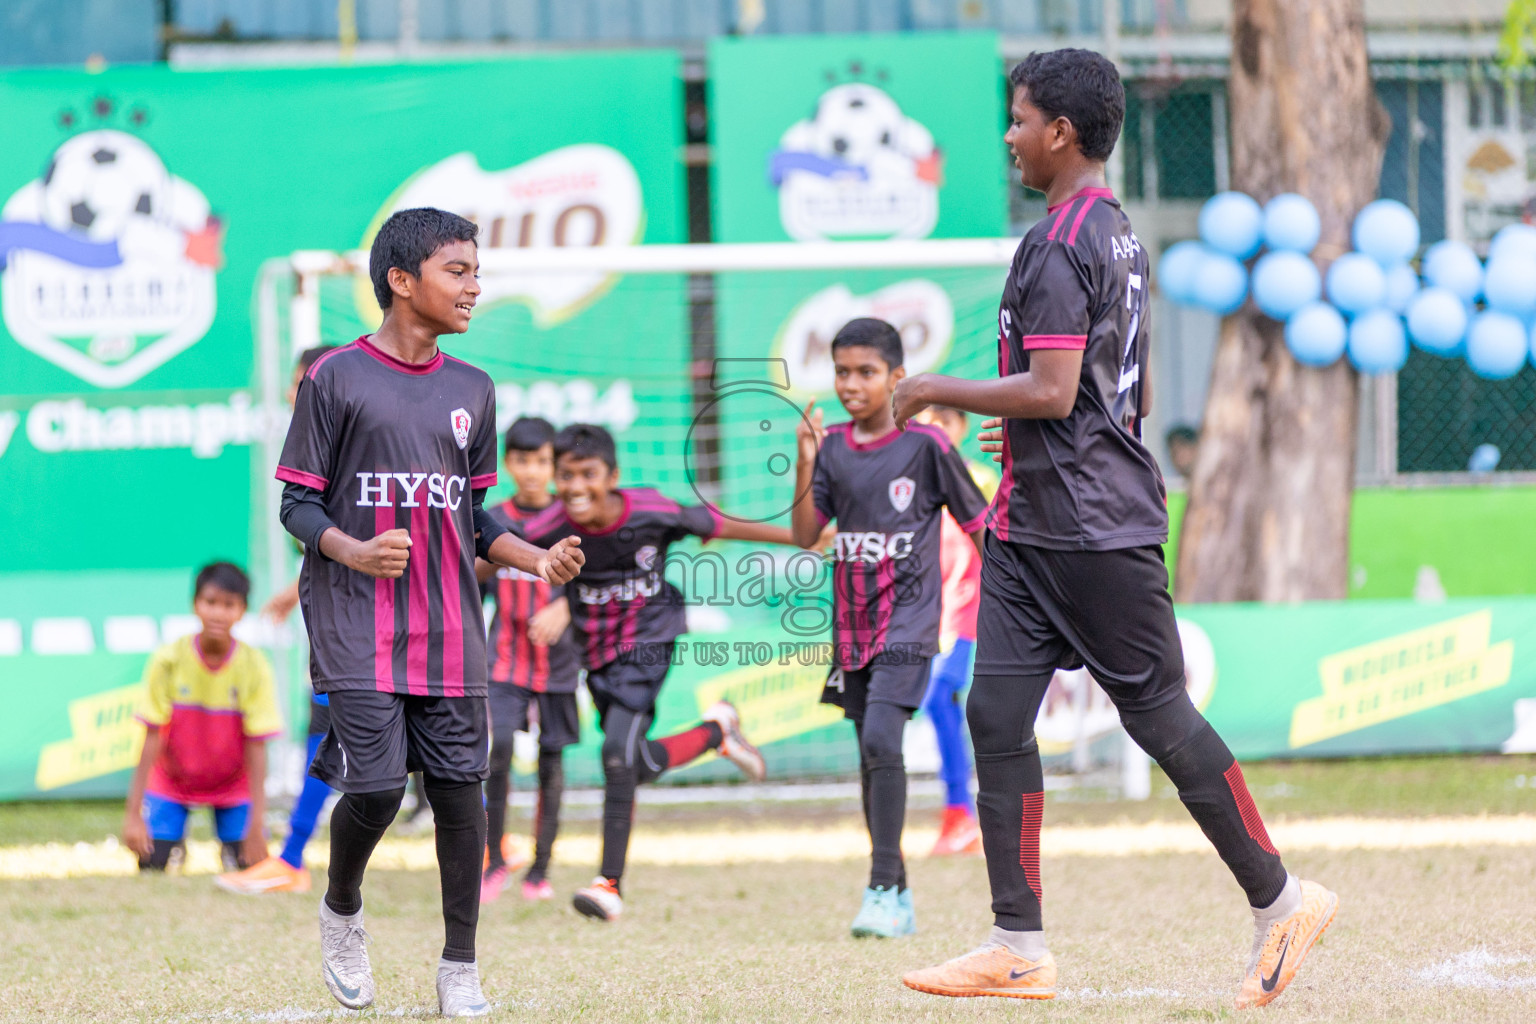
x=1433, y=929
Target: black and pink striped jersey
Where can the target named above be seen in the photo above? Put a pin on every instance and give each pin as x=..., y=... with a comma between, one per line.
x=1085, y=483
x=391, y=444
x=516, y=597
x=887, y=496
x=622, y=600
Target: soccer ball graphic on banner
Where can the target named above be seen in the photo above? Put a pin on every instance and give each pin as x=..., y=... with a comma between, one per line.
x=98, y=181
x=859, y=168
x=108, y=260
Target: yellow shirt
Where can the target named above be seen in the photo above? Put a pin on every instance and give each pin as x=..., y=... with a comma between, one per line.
x=205, y=714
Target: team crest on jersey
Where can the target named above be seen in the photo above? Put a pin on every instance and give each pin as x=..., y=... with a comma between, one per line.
x=461, y=420
x=645, y=558
x=901, y=491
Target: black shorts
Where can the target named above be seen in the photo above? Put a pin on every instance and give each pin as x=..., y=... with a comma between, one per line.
x=319, y=718
x=893, y=677
x=555, y=713
x=633, y=679
x=377, y=739
x=1042, y=610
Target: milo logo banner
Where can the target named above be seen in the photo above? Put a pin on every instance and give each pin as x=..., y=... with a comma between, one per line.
x=137, y=207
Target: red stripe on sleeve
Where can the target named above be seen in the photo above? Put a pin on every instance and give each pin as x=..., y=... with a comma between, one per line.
x=1061, y=341
x=289, y=475
x=483, y=480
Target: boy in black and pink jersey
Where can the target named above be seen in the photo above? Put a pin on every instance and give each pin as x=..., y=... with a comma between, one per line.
x=534, y=669
x=887, y=490
x=387, y=460
x=1073, y=569
x=627, y=619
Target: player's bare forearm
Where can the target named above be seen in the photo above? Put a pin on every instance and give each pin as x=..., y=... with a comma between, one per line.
x=484, y=570
x=548, y=624
x=978, y=538
x=256, y=777
x=804, y=528
x=135, y=834
x=1048, y=391
x=560, y=564
x=383, y=557
x=730, y=529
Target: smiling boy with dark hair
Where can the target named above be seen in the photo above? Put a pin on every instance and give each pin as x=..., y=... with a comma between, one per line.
x=886, y=489
x=627, y=618
x=1073, y=563
x=387, y=461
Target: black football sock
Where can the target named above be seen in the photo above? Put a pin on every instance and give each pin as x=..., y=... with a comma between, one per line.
x=357, y=823
x=880, y=736
x=230, y=857
x=498, y=789
x=547, y=817
x=460, y=818
x=1010, y=799
x=628, y=759
x=159, y=857
x=1212, y=787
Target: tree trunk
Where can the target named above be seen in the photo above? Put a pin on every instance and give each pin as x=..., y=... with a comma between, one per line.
x=1268, y=514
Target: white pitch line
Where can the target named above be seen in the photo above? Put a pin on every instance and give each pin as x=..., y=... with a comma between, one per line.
x=1473, y=969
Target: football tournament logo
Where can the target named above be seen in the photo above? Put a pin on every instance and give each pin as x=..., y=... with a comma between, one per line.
x=461, y=420
x=919, y=309
x=581, y=196
x=901, y=490
x=857, y=168
x=107, y=259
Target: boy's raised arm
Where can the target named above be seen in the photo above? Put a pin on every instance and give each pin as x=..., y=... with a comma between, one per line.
x=805, y=525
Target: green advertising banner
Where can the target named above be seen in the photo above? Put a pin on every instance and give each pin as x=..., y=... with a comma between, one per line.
x=844, y=137
x=137, y=207
x=858, y=137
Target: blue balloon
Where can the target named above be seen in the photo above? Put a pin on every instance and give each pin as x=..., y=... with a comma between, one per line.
x=1510, y=284
x=1356, y=283
x=1497, y=345
x=1231, y=222
x=1377, y=343
x=1437, y=321
x=1291, y=223
x=1176, y=270
x=1221, y=283
x=1454, y=267
x=1485, y=459
x=1284, y=281
x=1513, y=240
x=1387, y=232
x=1316, y=334
x=1402, y=286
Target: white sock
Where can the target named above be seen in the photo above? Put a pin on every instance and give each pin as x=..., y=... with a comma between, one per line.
x=1029, y=945
x=1286, y=904
x=325, y=909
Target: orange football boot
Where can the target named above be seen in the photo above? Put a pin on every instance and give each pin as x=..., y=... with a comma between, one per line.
x=1287, y=945
x=271, y=875
x=958, y=834
x=514, y=855
x=992, y=970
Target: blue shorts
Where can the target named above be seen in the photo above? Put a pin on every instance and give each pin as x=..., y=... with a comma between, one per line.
x=167, y=819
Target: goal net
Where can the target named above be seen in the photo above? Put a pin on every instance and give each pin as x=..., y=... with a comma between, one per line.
x=700, y=360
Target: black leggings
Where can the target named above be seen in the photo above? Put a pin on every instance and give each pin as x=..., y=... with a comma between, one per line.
x=498, y=788
x=629, y=758
x=359, y=821
x=1010, y=801
x=883, y=778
